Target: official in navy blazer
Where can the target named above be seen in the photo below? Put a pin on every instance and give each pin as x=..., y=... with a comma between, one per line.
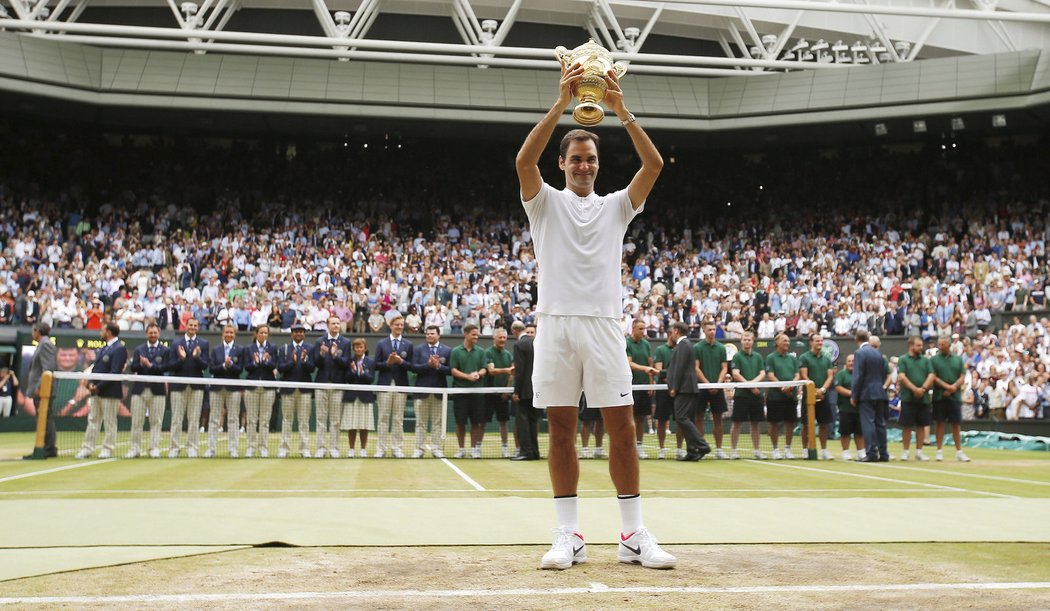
x=869, y=395
x=295, y=362
x=357, y=410
x=430, y=362
x=111, y=358
x=148, y=359
x=260, y=362
x=393, y=362
x=227, y=363
x=332, y=357
x=187, y=358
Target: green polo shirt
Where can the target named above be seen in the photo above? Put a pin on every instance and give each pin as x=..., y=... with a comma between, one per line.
x=467, y=361
x=639, y=351
x=710, y=358
x=782, y=368
x=662, y=354
x=500, y=359
x=916, y=369
x=817, y=367
x=749, y=366
x=844, y=379
x=948, y=369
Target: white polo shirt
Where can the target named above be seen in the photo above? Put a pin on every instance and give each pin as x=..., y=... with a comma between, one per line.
x=578, y=244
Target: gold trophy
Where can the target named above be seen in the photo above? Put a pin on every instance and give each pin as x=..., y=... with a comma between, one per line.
x=596, y=62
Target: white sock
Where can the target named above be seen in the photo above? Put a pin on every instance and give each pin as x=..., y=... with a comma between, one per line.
x=565, y=510
x=630, y=513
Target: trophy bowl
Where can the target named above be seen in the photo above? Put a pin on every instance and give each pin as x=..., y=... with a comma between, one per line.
x=590, y=90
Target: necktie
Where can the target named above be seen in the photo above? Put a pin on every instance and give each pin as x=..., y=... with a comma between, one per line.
x=227, y=349
x=433, y=351
x=397, y=345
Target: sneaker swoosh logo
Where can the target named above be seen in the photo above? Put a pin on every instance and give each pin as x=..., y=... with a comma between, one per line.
x=634, y=550
x=624, y=394
x=577, y=550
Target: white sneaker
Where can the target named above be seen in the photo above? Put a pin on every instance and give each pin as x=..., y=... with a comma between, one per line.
x=460, y=453
x=599, y=453
x=320, y=453
x=777, y=455
x=209, y=453
x=250, y=453
x=641, y=548
x=939, y=456
x=826, y=455
x=264, y=453
x=154, y=453
x=904, y=456
x=105, y=454
x=788, y=454
x=720, y=454
x=568, y=549
x=759, y=455
x=81, y=455
x=234, y=454
x=505, y=451
x=661, y=454
x=362, y=453
x=475, y=453
x=959, y=456
x=862, y=454
x=398, y=453
x=130, y=454
x=889, y=456
x=173, y=453
x=846, y=455
x=438, y=453
x=305, y=453
x=282, y=453
x=585, y=453
x=417, y=453
x=380, y=453
x=201, y=430
x=919, y=456
x=191, y=453
x=333, y=453
x=679, y=453
x=642, y=454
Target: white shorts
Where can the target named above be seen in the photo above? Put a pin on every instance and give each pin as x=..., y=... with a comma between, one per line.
x=580, y=354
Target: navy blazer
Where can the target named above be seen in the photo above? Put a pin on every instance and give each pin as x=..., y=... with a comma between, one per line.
x=361, y=372
x=110, y=359
x=191, y=366
x=291, y=370
x=426, y=375
x=331, y=367
x=157, y=362
x=397, y=374
x=523, y=362
x=218, y=362
x=264, y=368
x=869, y=374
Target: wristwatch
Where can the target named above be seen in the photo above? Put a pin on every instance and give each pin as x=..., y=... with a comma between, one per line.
x=630, y=119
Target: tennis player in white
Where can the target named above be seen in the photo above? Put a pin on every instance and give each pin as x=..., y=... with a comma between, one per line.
x=580, y=345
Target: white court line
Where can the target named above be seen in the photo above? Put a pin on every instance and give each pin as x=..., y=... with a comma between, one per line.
x=884, y=479
x=595, y=588
x=55, y=470
x=465, y=477
x=430, y=490
x=997, y=478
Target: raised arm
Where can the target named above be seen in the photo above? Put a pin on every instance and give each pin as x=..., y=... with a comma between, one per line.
x=529, y=156
x=652, y=162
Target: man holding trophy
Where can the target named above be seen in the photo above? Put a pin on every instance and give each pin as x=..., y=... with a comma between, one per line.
x=579, y=344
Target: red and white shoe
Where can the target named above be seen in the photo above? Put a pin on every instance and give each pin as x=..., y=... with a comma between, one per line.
x=640, y=547
x=568, y=549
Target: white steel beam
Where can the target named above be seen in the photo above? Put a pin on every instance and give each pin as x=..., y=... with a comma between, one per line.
x=873, y=9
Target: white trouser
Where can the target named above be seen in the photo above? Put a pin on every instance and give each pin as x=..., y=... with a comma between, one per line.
x=329, y=414
x=5, y=406
x=296, y=403
x=259, y=404
x=428, y=414
x=186, y=402
x=140, y=404
x=231, y=400
x=391, y=420
x=102, y=410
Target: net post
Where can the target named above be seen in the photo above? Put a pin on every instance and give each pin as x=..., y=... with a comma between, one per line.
x=444, y=420
x=811, y=413
x=43, y=405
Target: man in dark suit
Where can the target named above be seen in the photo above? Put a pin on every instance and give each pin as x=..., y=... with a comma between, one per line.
x=526, y=423
x=168, y=317
x=295, y=361
x=393, y=362
x=681, y=385
x=43, y=360
x=331, y=354
x=430, y=362
x=260, y=361
x=111, y=358
x=187, y=358
x=148, y=359
x=226, y=363
x=869, y=396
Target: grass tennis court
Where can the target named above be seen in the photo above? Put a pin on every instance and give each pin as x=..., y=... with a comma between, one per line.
x=367, y=532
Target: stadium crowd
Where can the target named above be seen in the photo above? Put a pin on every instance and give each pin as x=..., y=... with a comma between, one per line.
x=276, y=235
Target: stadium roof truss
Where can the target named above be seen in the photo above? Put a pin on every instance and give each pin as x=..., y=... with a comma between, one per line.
x=756, y=37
